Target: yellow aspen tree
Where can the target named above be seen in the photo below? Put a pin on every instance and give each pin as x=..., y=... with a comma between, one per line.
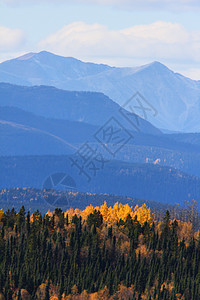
x=143, y=214
x=1, y=214
x=104, y=211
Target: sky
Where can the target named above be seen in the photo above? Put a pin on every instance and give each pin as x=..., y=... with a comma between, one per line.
x=116, y=32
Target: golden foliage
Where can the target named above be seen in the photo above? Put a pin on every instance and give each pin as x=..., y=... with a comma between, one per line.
x=119, y=211
x=1, y=214
x=84, y=295
x=124, y=293
x=40, y=293
x=125, y=247
x=49, y=213
x=70, y=213
x=143, y=214
x=103, y=294
x=74, y=290
x=185, y=231
x=87, y=211
x=112, y=215
x=144, y=251
x=105, y=213
x=25, y=295
x=2, y=296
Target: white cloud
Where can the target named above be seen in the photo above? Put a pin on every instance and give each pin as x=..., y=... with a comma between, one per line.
x=163, y=41
x=126, y=4
x=10, y=39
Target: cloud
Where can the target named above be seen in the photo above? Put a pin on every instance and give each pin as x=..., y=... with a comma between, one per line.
x=11, y=39
x=125, y=4
x=157, y=41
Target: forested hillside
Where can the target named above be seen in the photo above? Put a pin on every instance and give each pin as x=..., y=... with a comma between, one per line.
x=98, y=253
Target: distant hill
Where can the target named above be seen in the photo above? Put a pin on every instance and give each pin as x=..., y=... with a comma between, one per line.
x=24, y=133
x=189, y=138
x=175, y=97
x=142, y=181
x=87, y=107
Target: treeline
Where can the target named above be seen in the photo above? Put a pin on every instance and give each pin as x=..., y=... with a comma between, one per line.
x=98, y=253
x=33, y=199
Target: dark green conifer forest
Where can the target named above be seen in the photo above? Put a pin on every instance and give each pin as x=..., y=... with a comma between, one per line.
x=52, y=255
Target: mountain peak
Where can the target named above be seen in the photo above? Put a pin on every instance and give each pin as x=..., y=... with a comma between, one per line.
x=45, y=52
x=154, y=66
x=41, y=54
x=157, y=65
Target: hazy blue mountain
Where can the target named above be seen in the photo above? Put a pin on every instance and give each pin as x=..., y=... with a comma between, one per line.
x=24, y=133
x=50, y=102
x=142, y=181
x=17, y=124
x=191, y=138
x=175, y=98
x=46, y=67
x=16, y=139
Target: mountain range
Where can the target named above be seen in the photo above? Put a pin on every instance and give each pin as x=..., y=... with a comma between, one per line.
x=171, y=101
x=44, y=120
x=50, y=106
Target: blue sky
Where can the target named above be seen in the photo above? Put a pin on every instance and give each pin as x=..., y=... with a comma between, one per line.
x=121, y=33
